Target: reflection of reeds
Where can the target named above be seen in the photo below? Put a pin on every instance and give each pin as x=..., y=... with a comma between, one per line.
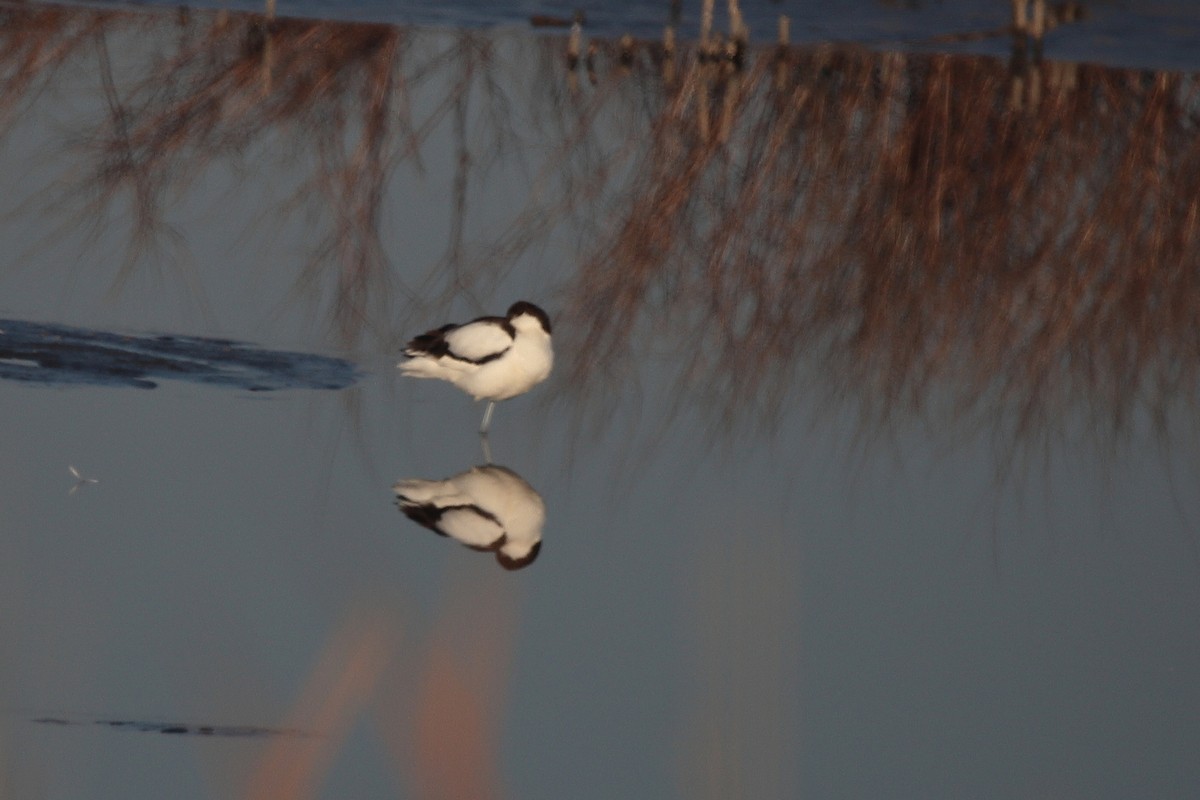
x=917, y=233
x=34, y=44
x=894, y=223
x=237, y=77
x=224, y=88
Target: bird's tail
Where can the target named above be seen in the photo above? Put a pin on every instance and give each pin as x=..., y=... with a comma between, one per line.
x=408, y=365
x=421, y=365
x=414, y=491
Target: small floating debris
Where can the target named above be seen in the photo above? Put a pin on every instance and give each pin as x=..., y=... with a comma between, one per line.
x=80, y=480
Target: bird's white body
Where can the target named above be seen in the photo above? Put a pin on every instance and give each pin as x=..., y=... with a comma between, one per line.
x=485, y=508
x=491, y=358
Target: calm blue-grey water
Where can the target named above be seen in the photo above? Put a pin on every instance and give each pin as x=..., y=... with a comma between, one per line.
x=869, y=459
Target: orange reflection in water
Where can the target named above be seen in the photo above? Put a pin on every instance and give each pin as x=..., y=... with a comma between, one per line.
x=436, y=703
x=462, y=687
x=341, y=685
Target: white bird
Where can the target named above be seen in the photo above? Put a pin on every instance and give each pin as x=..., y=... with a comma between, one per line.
x=488, y=508
x=490, y=358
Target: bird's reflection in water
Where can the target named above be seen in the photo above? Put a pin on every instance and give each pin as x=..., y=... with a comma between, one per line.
x=488, y=508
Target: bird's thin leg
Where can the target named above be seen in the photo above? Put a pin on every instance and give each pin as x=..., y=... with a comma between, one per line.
x=487, y=448
x=487, y=417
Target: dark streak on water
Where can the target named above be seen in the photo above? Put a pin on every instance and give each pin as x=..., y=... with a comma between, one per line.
x=51, y=354
x=176, y=728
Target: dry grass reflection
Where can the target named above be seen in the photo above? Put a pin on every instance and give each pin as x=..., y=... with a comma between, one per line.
x=906, y=233
x=922, y=236
x=232, y=82
x=331, y=102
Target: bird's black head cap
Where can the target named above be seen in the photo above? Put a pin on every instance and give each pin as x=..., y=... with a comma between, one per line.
x=525, y=307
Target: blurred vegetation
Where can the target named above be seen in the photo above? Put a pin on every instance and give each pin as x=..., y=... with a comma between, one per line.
x=920, y=236
x=960, y=241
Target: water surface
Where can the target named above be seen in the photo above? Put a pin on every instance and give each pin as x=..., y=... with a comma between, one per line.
x=869, y=460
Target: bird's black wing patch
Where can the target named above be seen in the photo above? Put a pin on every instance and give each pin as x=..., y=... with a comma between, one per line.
x=481, y=340
x=477, y=342
x=426, y=515
x=431, y=343
x=430, y=516
x=484, y=360
x=487, y=548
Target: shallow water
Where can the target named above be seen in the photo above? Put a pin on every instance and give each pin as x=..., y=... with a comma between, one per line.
x=869, y=459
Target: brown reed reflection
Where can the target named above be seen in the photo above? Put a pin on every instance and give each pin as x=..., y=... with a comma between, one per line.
x=234, y=81
x=918, y=236
x=899, y=230
x=35, y=43
x=329, y=102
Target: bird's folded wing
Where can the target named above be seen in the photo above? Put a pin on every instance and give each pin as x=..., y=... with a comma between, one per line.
x=471, y=525
x=415, y=491
x=479, y=341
